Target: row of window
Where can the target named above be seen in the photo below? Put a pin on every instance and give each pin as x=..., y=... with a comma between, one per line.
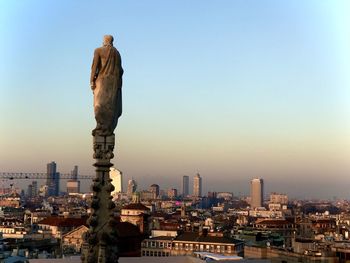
x=155, y=254
x=188, y=246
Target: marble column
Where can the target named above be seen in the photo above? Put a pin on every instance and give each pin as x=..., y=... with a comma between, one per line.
x=101, y=239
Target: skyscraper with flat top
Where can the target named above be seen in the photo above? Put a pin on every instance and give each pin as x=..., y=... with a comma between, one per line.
x=197, y=186
x=117, y=180
x=256, y=193
x=185, y=185
x=53, y=179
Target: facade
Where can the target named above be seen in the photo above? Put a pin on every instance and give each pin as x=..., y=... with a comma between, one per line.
x=34, y=188
x=172, y=193
x=154, y=188
x=13, y=200
x=30, y=191
x=185, y=185
x=74, y=239
x=129, y=239
x=53, y=179
x=197, y=186
x=189, y=242
x=73, y=185
x=256, y=193
x=136, y=214
x=58, y=226
x=276, y=198
x=147, y=195
x=117, y=180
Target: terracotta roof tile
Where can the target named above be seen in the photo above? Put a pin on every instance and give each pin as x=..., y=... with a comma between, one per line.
x=63, y=222
x=136, y=206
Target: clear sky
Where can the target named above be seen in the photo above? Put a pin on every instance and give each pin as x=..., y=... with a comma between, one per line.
x=230, y=89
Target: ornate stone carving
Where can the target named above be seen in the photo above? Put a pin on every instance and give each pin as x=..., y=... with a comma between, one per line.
x=100, y=246
x=103, y=147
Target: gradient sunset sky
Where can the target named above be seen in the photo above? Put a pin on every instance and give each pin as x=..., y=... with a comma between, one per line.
x=231, y=89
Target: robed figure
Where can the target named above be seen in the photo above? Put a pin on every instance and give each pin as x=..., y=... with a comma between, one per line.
x=106, y=83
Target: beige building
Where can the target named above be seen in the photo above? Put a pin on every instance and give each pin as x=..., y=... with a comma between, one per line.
x=12, y=200
x=197, y=186
x=276, y=198
x=256, y=193
x=189, y=242
x=136, y=214
x=58, y=226
x=74, y=239
x=117, y=180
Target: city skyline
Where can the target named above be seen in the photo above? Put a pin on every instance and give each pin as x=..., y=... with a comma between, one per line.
x=234, y=90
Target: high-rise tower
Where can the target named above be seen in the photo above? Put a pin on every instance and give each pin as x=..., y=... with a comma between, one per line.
x=131, y=188
x=154, y=188
x=185, y=185
x=256, y=193
x=117, y=180
x=197, y=186
x=53, y=179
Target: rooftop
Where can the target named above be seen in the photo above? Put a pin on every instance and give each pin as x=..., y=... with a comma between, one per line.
x=194, y=237
x=136, y=206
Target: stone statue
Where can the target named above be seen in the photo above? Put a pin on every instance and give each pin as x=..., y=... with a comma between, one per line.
x=101, y=240
x=106, y=83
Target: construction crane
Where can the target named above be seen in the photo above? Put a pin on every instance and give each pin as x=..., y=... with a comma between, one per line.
x=15, y=176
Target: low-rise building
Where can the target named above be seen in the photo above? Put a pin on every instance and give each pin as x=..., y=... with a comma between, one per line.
x=189, y=242
x=136, y=214
x=58, y=226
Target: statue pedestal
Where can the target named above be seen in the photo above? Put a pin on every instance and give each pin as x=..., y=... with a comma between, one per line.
x=101, y=238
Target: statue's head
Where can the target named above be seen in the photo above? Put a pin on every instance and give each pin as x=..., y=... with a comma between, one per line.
x=108, y=40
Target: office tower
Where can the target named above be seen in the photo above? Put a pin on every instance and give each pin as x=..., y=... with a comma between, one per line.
x=256, y=193
x=154, y=188
x=132, y=186
x=34, y=188
x=73, y=184
x=117, y=180
x=185, y=185
x=197, y=186
x=74, y=173
x=53, y=179
x=30, y=191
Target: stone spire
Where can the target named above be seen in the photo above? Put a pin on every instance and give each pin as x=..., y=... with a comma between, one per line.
x=101, y=239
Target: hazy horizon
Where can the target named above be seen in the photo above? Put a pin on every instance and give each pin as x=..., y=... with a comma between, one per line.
x=233, y=90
